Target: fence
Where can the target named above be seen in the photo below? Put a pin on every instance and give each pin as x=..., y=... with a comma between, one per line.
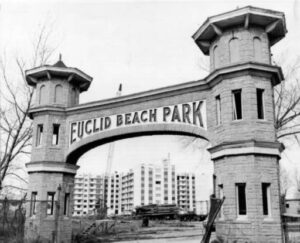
x=13, y=215
x=12, y=219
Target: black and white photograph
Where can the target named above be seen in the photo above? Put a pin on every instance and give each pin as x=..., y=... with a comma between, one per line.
x=149, y=121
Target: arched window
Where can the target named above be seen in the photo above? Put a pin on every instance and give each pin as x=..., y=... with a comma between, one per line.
x=58, y=94
x=234, y=50
x=257, y=49
x=74, y=97
x=42, y=97
x=216, y=56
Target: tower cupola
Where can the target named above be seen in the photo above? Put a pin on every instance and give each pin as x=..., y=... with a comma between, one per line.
x=241, y=35
x=57, y=85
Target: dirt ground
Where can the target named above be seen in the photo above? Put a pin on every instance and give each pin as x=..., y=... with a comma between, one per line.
x=132, y=230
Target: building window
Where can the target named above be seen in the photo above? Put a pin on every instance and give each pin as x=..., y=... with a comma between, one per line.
x=241, y=199
x=67, y=204
x=218, y=110
x=58, y=94
x=214, y=184
x=260, y=103
x=42, y=98
x=257, y=49
x=234, y=50
x=237, y=104
x=55, y=134
x=266, y=196
x=50, y=203
x=221, y=193
x=33, y=203
x=215, y=56
x=39, y=135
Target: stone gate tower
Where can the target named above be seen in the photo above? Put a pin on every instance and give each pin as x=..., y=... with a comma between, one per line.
x=244, y=149
x=50, y=178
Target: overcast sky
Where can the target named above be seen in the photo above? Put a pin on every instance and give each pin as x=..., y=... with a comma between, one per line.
x=144, y=45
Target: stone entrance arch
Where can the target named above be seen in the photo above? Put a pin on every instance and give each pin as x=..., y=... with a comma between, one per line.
x=232, y=107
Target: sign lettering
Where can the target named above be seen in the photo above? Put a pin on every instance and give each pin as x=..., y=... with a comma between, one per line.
x=192, y=114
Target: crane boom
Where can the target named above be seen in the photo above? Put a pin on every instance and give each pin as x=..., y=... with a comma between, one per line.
x=109, y=161
x=111, y=148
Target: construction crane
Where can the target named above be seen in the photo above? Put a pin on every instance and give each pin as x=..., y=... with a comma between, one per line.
x=111, y=150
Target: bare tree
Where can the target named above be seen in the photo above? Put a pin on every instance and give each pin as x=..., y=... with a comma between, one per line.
x=287, y=101
x=285, y=181
x=16, y=99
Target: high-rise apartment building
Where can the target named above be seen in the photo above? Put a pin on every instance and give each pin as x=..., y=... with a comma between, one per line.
x=186, y=191
x=149, y=184
x=87, y=191
x=114, y=194
x=143, y=185
x=128, y=192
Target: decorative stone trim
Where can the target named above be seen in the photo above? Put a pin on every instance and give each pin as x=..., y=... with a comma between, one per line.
x=50, y=166
x=245, y=150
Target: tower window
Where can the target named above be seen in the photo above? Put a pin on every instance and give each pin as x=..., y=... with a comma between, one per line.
x=33, y=203
x=67, y=203
x=214, y=184
x=55, y=134
x=215, y=56
x=58, y=94
x=50, y=203
x=257, y=49
x=266, y=198
x=260, y=103
x=218, y=109
x=241, y=198
x=39, y=136
x=221, y=194
x=234, y=50
x=237, y=104
x=42, y=97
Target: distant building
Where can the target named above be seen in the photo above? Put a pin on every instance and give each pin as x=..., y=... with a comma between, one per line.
x=149, y=184
x=128, y=192
x=292, y=206
x=143, y=185
x=186, y=191
x=87, y=191
x=114, y=194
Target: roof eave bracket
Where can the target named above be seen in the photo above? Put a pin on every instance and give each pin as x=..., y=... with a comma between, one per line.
x=217, y=30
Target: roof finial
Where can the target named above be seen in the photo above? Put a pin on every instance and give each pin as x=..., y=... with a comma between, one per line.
x=60, y=56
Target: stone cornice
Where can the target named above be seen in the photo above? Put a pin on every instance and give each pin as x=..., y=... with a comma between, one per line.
x=246, y=147
x=51, y=166
x=47, y=110
x=247, y=68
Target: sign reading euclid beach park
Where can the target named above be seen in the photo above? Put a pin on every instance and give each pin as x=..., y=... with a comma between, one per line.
x=191, y=114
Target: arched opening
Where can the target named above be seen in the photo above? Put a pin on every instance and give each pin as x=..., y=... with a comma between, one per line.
x=234, y=50
x=79, y=148
x=42, y=96
x=257, y=49
x=58, y=94
x=167, y=170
